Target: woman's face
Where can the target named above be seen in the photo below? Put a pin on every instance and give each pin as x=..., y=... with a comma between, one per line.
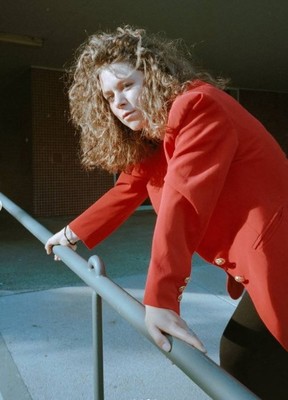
x=121, y=86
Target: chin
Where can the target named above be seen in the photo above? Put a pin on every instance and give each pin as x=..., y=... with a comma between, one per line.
x=136, y=127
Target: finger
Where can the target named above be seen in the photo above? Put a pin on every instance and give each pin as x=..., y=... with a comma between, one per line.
x=48, y=248
x=159, y=338
x=49, y=245
x=189, y=337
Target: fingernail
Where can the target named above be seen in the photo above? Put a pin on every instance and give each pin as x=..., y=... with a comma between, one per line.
x=203, y=349
x=166, y=347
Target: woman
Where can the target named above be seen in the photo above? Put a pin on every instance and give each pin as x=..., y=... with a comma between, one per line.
x=215, y=177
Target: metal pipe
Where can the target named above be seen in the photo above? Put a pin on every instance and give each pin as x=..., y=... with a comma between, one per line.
x=97, y=330
x=212, y=379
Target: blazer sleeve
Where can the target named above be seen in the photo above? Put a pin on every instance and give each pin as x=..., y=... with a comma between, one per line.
x=112, y=209
x=200, y=146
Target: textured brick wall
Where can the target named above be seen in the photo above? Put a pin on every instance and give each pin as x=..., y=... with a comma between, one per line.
x=39, y=165
x=60, y=186
x=15, y=141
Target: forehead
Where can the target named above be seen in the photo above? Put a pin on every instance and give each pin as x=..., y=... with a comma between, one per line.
x=113, y=73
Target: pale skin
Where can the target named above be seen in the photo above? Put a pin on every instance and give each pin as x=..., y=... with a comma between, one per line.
x=121, y=86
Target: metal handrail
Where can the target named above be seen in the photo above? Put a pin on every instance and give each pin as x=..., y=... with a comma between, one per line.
x=212, y=379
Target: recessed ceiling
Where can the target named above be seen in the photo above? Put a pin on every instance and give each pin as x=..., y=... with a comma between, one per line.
x=245, y=40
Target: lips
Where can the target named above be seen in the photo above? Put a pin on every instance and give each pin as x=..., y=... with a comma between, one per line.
x=127, y=114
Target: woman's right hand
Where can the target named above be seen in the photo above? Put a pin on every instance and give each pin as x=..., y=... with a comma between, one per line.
x=159, y=320
x=65, y=237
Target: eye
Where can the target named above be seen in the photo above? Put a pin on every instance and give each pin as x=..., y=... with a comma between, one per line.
x=127, y=85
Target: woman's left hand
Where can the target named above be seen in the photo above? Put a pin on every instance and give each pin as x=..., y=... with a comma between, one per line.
x=159, y=320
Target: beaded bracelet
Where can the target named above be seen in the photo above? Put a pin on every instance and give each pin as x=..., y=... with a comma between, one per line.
x=69, y=241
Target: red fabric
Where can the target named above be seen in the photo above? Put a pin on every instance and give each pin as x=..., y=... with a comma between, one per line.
x=111, y=210
x=225, y=196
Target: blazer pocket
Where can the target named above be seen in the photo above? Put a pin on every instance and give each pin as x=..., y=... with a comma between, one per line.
x=269, y=230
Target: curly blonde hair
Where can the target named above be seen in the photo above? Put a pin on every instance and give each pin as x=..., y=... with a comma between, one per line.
x=104, y=141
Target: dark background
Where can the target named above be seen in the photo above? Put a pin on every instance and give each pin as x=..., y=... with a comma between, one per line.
x=39, y=165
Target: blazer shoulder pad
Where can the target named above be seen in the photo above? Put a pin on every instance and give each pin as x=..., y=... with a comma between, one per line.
x=193, y=100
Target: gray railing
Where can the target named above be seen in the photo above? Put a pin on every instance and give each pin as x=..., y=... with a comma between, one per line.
x=212, y=379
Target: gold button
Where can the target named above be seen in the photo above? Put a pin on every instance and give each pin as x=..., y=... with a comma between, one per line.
x=186, y=280
x=239, y=278
x=180, y=297
x=220, y=261
x=182, y=288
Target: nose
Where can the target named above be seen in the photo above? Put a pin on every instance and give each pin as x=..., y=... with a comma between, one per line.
x=119, y=100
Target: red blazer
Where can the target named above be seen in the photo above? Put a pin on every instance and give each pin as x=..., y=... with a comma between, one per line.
x=225, y=196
